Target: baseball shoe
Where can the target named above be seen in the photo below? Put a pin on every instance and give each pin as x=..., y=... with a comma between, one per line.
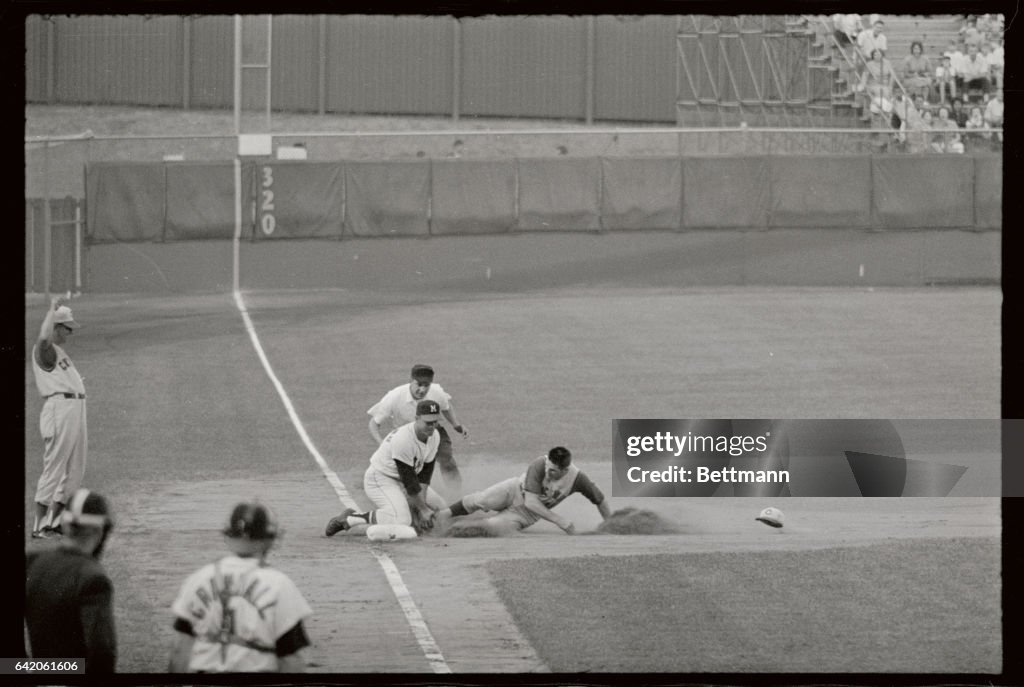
x=46, y=533
x=338, y=523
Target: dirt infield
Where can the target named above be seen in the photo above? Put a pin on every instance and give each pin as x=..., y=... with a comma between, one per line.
x=358, y=627
x=184, y=422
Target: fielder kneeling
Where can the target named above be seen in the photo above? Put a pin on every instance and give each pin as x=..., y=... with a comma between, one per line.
x=398, y=479
x=522, y=501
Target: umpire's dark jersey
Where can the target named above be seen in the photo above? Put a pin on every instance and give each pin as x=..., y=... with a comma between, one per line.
x=69, y=608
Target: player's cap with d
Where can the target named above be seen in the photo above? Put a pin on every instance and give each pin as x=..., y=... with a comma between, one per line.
x=251, y=521
x=62, y=315
x=428, y=410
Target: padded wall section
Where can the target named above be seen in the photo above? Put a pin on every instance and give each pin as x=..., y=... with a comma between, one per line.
x=641, y=193
x=559, y=194
x=988, y=192
x=820, y=191
x=924, y=191
x=387, y=198
x=725, y=192
x=124, y=201
x=201, y=201
x=299, y=200
x=473, y=196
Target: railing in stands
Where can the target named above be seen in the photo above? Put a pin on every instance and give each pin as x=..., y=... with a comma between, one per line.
x=859, y=62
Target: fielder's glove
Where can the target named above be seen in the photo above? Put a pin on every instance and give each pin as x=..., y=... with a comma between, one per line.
x=422, y=522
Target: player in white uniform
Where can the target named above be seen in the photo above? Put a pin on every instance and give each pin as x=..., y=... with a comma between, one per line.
x=398, y=478
x=61, y=421
x=238, y=614
x=398, y=407
x=522, y=501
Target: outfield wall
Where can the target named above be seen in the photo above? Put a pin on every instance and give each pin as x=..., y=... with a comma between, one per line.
x=176, y=201
x=517, y=224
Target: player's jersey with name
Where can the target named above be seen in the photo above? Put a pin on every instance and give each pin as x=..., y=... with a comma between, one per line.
x=63, y=378
x=238, y=608
x=553, y=492
x=398, y=407
x=403, y=445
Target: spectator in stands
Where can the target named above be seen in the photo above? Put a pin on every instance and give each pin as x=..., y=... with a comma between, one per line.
x=959, y=114
x=993, y=53
x=950, y=141
x=976, y=71
x=876, y=82
x=845, y=28
x=943, y=120
x=872, y=39
x=970, y=32
x=976, y=121
x=917, y=71
x=994, y=113
x=956, y=61
x=945, y=80
x=913, y=131
x=921, y=105
x=988, y=24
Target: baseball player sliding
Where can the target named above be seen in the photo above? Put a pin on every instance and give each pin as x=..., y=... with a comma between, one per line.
x=398, y=478
x=398, y=407
x=61, y=421
x=522, y=501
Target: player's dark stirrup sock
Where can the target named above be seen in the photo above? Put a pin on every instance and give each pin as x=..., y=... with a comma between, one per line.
x=458, y=509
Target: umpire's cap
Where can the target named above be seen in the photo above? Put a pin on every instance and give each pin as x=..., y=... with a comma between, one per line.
x=251, y=521
x=87, y=509
x=424, y=372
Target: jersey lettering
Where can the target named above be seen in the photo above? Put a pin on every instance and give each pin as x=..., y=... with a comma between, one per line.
x=229, y=612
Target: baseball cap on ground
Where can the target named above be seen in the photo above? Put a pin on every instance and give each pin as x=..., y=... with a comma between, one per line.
x=422, y=372
x=428, y=410
x=87, y=509
x=62, y=315
x=251, y=521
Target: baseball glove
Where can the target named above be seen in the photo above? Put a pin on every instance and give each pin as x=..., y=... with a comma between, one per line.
x=422, y=523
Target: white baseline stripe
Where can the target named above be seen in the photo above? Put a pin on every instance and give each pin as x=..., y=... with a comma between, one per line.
x=412, y=615
x=431, y=650
x=332, y=478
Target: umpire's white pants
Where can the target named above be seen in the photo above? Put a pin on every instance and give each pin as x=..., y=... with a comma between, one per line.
x=390, y=498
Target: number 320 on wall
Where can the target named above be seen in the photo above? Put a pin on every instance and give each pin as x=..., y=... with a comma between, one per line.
x=267, y=220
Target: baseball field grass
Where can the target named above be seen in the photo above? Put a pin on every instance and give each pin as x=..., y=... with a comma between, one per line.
x=184, y=422
x=891, y=608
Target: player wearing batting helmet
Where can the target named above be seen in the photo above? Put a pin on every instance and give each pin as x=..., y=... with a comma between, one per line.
x=238, y=614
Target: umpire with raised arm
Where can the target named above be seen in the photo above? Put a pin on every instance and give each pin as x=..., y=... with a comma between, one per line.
x=68, y=596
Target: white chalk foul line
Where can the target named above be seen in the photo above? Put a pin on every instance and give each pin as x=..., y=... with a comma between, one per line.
x=428, y=645
x=431, y=650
